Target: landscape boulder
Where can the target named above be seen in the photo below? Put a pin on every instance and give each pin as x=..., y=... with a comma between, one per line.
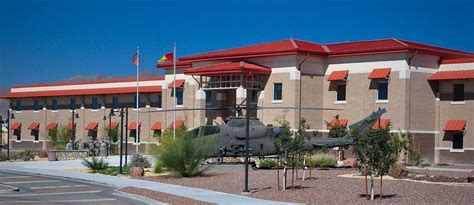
x=398, y=170
x=137, y=172
x=350, y=162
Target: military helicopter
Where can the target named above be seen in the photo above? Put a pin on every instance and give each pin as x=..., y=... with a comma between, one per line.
x=230, y=137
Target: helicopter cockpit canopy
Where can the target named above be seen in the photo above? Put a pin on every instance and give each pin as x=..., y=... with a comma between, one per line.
x=240, y=122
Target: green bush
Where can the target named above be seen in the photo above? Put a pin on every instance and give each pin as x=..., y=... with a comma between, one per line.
x=184, y=153
x=3, y=157
x=23, y=155
x=113, y=171
x=321, y=161
x=267, y=164
x=95, y=164
x=138, y=160
x=414, y=157
x=158, y=167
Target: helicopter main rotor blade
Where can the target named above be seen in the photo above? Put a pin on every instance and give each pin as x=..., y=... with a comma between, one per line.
x=290, y=108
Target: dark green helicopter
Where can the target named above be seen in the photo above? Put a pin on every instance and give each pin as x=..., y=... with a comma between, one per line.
x=230, y=137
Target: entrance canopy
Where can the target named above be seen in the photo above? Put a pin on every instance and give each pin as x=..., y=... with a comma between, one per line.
x=230, y=75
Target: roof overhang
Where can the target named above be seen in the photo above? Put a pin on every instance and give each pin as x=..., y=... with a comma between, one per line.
x=452, y=75
x=229, y=68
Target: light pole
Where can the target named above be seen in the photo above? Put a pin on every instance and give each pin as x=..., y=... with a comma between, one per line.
x=111, y=114
x=121, y=139
x=9, y=115
x=126, y=135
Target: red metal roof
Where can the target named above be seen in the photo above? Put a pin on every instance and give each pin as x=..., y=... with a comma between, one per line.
x=16, y=126
x=34, y=126
x=338, y=75
x=179, y=123
x=179, y=64
x=341, y=122
x=229, y=68
x=380, y=73
x=69, y=126
x=52, y=126
x=452, y=75
x=287, y=47
x=133, y=125
x=114, y=125
x=92, y=126
x=81, y=82
x=383, y=124
x=179, y=84
x=156, y=126
x=455, y=125
x=78, y=92
x=456, y=61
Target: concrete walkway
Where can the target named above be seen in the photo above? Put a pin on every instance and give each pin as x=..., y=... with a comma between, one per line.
x=57, y=169
x=444, y=169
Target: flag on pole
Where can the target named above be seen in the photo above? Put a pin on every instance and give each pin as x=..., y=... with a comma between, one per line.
x=136, y=59
x=167, y=57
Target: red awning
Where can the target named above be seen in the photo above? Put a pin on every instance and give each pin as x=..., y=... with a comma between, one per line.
x=383, y=124
x=455, y=125
x=96, y=91
x=133, y=125
x=156, y=126
x=16, y=126
x=179, y=123
x=69, y=126
x=452, y=75
x=179, y=84
x=338, y=75
x=380, y=73
x=52, y=126
x=114, y=125
x=340, y=122
x=92, y=126
x=34, y=126
x=229, y=68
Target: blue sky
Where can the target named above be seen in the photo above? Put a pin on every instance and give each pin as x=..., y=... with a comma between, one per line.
x=45, y=41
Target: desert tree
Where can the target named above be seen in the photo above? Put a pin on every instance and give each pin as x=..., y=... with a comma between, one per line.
x=375, y=152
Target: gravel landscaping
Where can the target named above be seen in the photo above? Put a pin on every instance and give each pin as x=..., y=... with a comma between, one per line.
x=325, y=186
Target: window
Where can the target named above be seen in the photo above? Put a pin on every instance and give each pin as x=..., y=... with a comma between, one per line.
x=159, y=102
x=341, y=92
x=458, y=140
x=133, y=133
x=36, y=105
x=458, y=92
x=179, y=97
x=55, y=104
x=157, y=133
x=18, y=105
x=95, y=103
x=208, y=96
x=382, y=91
x=73, y=104
x=277, y=91
x=35, y=134
x=135, y=101
x=115, y=102
x=17, y=133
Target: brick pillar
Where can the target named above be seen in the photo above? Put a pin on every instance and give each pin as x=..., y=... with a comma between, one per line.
x=200, y=102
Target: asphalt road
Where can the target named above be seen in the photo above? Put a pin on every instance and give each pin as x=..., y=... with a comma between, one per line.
x=39, y=190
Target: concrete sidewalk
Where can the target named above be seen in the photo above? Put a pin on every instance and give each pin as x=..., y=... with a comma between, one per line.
x=57, y=169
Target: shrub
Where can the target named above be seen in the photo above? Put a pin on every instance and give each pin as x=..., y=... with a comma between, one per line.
x=158, y=167
x=414, y=157
x=138, y=160
x=184, y=153
x=442, y=164
x=23, y=155
x=95, y=164
x=3, y=157
x=267, y=164
x=322, y=161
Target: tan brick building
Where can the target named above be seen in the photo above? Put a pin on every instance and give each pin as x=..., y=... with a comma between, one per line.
x=356, y=78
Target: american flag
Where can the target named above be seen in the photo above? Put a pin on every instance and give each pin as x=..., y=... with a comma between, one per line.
x=136, y=59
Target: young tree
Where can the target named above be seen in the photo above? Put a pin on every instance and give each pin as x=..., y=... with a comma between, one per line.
x=337, y=131
x=375, y=151
x=290, y=146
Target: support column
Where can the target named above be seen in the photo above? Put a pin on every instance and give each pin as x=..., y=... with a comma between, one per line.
x=200, y=102
x=240, y=95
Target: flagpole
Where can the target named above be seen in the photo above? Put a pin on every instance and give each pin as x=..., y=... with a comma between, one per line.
x=174, y=90
x=137, y=131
